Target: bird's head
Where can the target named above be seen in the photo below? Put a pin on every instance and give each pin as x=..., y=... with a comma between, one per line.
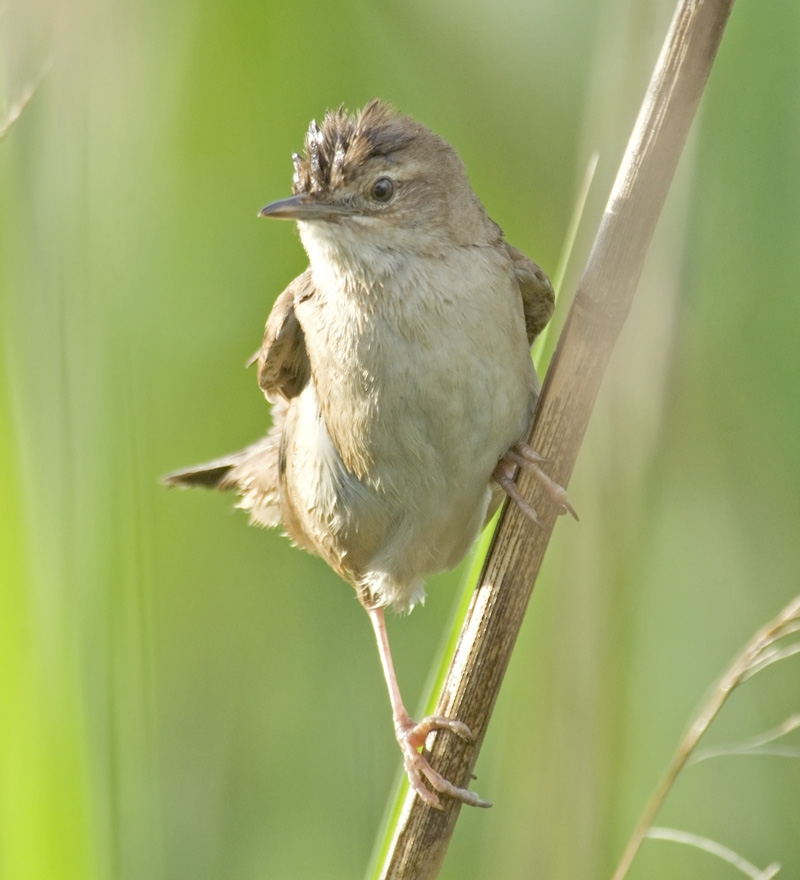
x=379, y=180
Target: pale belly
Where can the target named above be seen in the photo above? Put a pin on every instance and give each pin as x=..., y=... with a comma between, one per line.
x=417, y=511
x=392, y=455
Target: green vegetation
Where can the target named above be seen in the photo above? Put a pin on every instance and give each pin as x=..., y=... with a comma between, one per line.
x=184, y=697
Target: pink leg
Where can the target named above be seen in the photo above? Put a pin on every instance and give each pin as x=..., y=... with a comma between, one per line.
x=522, y=455
x=411, y=735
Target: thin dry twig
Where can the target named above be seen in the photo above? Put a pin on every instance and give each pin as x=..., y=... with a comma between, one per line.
x=601, y=305
x=763, y=744
x=752, y=657
x=716, y=849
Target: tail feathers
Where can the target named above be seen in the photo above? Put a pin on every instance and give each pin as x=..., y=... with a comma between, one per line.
x=211, y=475
x=253, y=473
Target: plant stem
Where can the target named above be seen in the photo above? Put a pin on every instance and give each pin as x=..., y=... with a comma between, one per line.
x=601, y=305
x=749, y=659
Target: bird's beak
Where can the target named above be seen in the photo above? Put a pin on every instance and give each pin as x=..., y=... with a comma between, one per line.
x=303, y=207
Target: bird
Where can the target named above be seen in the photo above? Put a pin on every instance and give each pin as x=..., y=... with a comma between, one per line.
x=400, y=379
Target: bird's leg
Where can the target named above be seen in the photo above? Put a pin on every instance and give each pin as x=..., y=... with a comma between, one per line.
x=411, y=735
x=522, y=455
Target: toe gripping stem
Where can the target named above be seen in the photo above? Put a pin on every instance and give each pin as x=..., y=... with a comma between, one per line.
x=525, y=457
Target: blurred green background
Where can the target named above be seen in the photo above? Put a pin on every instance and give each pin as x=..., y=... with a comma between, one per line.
x=186, y=697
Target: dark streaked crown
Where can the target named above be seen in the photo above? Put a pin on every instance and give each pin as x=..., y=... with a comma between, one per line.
x=336, y=149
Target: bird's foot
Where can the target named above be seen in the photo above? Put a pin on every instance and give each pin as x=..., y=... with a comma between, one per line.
x=523, y=456
x=426, y=781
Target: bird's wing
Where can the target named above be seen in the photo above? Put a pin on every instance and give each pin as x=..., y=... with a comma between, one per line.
x=283, y=368
x=538, y=299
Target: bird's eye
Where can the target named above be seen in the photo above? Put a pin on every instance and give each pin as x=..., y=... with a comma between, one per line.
x=383, y=189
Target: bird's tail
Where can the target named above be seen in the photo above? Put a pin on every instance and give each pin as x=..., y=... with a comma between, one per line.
x=253, y=473
x=211, y=475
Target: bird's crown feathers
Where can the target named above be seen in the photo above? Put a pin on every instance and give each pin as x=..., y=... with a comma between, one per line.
x=334, y=150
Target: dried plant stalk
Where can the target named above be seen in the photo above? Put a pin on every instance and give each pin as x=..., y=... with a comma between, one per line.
x=598, y=312
x=760, y=652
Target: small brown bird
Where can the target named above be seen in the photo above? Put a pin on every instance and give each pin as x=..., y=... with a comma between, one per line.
x=399, y=371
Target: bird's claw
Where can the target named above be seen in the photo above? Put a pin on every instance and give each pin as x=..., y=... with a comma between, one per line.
x=427, y=782
x=525, y=457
